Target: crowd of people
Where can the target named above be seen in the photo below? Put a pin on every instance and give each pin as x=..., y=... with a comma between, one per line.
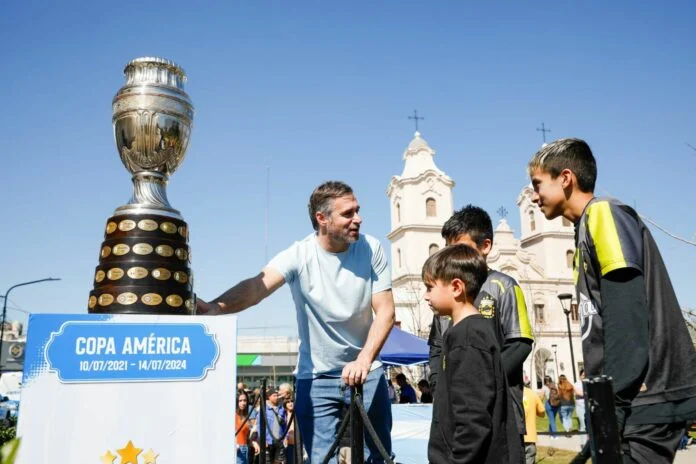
x=280, y=426
x=632, y=327
x=404, y=393
x=280, y=433
x=562, y=399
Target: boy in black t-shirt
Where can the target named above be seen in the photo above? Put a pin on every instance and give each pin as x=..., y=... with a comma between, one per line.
x=500, y=300
x=473, y=420
x=632, y=326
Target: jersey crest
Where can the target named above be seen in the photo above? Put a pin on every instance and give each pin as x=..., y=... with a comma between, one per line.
x=487, y=307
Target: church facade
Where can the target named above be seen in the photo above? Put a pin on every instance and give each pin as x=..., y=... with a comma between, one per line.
x=421, y=200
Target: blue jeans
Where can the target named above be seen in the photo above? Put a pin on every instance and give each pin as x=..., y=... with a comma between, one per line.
x=243, y=455
x=567, y=416
x=551, y=412
x=318, y=406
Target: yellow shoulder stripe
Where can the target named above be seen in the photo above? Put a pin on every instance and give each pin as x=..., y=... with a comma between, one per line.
x=525, y=327
x=500, y=284
x=602, y=229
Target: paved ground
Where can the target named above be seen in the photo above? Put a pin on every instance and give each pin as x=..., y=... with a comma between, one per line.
x=572, y=442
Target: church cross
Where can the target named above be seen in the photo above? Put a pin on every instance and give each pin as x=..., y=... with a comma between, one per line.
x=502, y=212
x=415, y=117
x=543, y=131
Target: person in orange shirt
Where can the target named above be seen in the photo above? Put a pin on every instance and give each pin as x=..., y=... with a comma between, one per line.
x=242, y=427
x=567, y=392
x=532, y=408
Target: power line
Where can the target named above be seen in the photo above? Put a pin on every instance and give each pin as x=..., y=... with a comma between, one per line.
x=15, y=307
x=267, y=211
x=646, y=219
x=666, y=231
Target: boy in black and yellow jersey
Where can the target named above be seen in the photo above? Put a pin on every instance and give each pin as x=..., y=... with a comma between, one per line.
x=632, y=326
x=500, y=301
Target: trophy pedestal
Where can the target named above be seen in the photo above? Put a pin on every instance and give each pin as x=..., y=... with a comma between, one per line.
x=144, y=267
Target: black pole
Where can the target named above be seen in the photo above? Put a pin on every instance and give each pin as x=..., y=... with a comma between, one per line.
x=357, y=439
x=4, y=309
x=299, y=450
x=262, y=423
x=570, y=342
x=602, y=427
x=2, y=326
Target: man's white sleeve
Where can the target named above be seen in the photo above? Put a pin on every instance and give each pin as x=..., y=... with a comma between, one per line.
x=286, y=262
x=381, y=273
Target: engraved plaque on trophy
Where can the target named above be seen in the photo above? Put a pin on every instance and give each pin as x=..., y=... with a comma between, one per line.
x=144, y=261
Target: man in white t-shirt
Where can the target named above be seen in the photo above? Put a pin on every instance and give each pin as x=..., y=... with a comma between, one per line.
x=337, y=277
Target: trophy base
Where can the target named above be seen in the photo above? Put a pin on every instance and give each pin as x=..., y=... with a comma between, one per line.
x=144, y=266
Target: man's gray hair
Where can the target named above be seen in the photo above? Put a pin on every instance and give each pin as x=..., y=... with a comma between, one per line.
x=322, y=197
x=285, y=386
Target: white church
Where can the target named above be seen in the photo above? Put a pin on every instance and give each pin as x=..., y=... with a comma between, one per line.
x=540, y=260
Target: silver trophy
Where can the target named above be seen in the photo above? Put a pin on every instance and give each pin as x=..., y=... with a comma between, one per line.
x=144, y=261
x=152, y=118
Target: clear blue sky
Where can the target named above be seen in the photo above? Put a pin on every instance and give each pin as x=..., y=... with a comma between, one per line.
x=323, y=90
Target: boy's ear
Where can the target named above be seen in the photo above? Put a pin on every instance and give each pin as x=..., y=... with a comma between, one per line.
x=485, y=248
x=567, y=178
x=458, y=288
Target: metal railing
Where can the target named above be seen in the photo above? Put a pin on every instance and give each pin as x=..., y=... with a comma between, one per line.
x=602, y=428
x=356, y=418
x=604, y=441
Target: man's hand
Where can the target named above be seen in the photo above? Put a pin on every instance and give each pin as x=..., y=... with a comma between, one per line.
x=355, y=373
x=207, y=309
x=257, y=448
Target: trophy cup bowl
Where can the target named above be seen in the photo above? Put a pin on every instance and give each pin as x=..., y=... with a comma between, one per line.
x=144, y=261
x=152, y=118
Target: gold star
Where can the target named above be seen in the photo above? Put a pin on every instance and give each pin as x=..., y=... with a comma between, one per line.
x=150, y=457
x=129, y=454
x=108, y=458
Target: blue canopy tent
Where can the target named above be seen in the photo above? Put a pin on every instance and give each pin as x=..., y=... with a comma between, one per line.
x=404, y=349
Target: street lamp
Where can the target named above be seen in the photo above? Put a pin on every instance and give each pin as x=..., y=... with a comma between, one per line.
x=565, y=305
x=555, y=359
x=4, y=309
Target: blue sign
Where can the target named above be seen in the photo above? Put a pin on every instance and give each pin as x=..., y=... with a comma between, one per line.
x=85, y=352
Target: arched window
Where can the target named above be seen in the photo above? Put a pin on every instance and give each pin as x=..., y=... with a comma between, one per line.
x=398, y=213
x=539, y=313
x=542, y=357
x=574, y=314
x=433, y=248
x=569, y=258
x=430, y=207
x=566, y=223
x=532, y=222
